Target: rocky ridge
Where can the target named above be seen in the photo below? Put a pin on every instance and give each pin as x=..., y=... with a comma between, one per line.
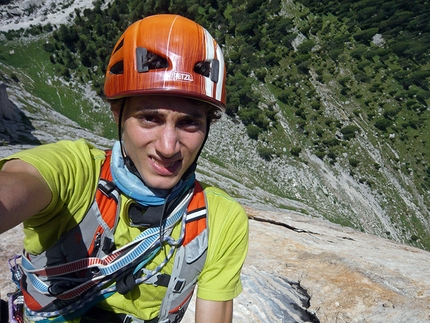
x=21, y=14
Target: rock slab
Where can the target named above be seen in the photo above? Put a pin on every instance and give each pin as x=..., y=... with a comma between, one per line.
x=349, y=276
x=301, y=269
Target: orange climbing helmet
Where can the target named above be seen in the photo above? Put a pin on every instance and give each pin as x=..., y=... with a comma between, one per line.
x=169, y=55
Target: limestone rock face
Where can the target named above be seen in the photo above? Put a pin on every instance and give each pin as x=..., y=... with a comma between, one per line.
x=35, y=122
x=8, y=109
x=301, y=269
x=349, y=276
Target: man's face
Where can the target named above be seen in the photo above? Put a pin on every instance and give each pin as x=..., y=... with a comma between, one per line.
x=162, y=135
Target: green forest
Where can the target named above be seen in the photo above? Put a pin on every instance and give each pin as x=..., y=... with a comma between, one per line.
x=258, y=43
x=258, y=40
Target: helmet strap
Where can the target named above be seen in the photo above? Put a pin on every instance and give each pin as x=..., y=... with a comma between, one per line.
x=193, y=166
x=127, y=160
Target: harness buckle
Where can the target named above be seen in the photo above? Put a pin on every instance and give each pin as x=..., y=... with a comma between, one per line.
x=131, y=319
x=16, y=270
x=179, y=285
x=106, y=187
x=15, y=307
x=162, y=280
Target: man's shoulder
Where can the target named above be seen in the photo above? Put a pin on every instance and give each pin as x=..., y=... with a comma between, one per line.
x=80, y=146
x=217, y=193
x=220, y=201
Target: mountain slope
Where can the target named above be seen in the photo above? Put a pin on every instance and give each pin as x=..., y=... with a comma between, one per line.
x=325, y=150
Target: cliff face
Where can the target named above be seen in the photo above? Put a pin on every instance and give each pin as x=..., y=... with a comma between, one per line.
x=14, y=125
x=349, y=276
x=27, y=120
x=302, y=269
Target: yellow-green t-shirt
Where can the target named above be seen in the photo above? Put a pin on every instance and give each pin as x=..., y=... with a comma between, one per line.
x=72, y=168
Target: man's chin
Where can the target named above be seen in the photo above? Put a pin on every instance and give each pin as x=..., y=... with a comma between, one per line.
x=163, y=182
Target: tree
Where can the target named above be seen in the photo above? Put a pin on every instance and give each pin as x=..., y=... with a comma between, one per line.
x=306, y=46
x=253, y=131
x=365, y=36
x=295, y=151
x=349, y=131
x=48, y=47
x=68, y=35
x=266, y=153
x=354, y=162
x=382, y=124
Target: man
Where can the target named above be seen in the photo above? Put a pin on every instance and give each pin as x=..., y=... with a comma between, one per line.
x=140, y=262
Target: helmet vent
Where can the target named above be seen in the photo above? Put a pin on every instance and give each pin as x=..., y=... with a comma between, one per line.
x=208, y=69
x=119, y=46
x=147, y=60
x=117, y=68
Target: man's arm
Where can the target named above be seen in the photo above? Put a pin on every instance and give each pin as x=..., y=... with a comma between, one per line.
x=23, y=193
x=214, y=312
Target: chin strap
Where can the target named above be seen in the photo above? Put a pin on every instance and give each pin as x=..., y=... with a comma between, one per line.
x=127, y=160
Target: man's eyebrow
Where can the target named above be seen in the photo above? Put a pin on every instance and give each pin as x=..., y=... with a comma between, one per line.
x=151, y=111
x=159, y=112
x=194, y=115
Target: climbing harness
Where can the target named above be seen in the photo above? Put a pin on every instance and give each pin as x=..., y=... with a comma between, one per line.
x=15, y=300
x=59, y=290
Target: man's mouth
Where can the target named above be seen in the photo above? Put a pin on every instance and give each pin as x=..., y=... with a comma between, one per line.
x=164, y=164
x=165, y=168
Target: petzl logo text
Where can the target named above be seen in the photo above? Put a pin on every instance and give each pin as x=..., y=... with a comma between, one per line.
x=185, y=77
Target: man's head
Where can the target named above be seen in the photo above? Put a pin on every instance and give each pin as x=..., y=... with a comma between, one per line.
x=166, y=83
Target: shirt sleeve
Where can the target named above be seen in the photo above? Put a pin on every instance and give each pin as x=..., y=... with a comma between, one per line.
x=71, y=170
x=227, y=248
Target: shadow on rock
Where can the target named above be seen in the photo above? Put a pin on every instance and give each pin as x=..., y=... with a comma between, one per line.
x=270, y=298
x=15, y=126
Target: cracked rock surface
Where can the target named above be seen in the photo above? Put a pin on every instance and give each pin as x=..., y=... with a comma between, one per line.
x=349, y=276
x=302, y=269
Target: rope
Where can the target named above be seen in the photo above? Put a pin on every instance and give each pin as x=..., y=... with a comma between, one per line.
x=145, y=246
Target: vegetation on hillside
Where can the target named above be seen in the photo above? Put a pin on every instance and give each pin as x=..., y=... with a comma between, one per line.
x=293, y=64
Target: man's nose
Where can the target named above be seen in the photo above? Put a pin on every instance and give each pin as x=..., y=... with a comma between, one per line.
x=168, y=142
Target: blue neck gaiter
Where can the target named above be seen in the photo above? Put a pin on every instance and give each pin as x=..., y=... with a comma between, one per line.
x=134, y=188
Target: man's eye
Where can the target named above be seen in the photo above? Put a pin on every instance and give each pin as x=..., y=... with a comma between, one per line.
x=148, y=118
x=190, y=122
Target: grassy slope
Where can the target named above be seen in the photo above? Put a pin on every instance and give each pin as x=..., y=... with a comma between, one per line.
x=33, y=69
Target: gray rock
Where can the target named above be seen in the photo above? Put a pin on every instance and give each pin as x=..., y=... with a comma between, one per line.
x=15, y=127
x=349, y=276
x=310, y=270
